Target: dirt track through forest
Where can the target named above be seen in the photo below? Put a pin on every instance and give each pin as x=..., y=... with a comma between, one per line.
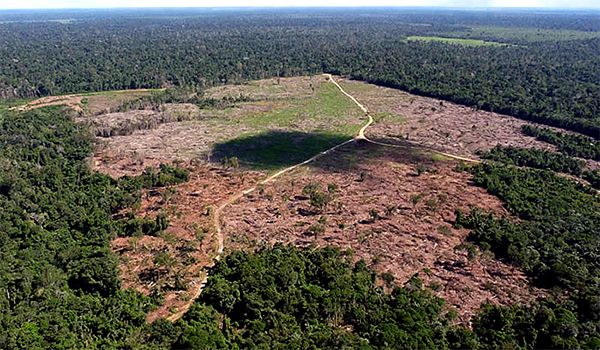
x=219, y=210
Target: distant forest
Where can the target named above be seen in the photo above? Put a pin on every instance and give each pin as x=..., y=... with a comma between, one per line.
x=549, y=72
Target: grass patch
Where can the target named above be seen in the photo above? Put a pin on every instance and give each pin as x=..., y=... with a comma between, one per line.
x=436, y=157
x=328, y=111
x=287, y=136
x=388, y=117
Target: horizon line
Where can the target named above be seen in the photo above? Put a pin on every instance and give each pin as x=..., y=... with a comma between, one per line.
x=305, y=7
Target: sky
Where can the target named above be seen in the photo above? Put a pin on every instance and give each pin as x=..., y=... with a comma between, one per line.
x=33, y=4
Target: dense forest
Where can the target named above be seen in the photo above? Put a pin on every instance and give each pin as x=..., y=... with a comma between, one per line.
x=557, y=243
x=571, y=144
x=535, y=158
x=553, y=81
x=593, y=177
x=542, y=159
x=60, y=285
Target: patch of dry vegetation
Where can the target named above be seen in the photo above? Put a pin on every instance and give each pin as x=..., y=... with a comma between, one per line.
x=174, y=262
x=440, y=125
x=392, y=208
x=308, y=105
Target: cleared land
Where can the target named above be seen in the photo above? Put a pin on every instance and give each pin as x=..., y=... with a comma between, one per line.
x=286, y=121
x=190, y=242
x=403, y=118
x=394, y=207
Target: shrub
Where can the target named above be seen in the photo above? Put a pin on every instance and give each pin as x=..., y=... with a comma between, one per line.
x=416, y=198
x=332, y=188
x=363, y=176
x=231, y=162
x=391, y=209
x=435, y=286
x=310, y=188
x=388, y=278
x=374, y=214
x=471, y=250
x=316, y=230
x=432, y=204
x=445, y=230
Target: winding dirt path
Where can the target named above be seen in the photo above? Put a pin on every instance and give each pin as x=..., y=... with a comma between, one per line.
x=217, y=213
x=361, y=133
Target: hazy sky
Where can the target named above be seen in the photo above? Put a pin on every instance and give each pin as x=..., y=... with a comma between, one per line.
x=16, y=4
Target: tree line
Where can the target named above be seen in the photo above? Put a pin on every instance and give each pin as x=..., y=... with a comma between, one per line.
x=571, y=144
x=556, y=243
x=535, y=158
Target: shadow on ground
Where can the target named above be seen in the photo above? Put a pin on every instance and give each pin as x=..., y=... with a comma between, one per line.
x=352, y=157
x=276, y=149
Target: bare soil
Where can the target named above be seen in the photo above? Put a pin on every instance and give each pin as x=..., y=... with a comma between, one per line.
x=411, y=232
x=440, y=125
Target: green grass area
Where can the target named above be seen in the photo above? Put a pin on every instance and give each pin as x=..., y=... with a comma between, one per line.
x=273, y=150
x=465, y=42
x=388, y=118
x=436, y=157
x=329, y=111
x=289, y=135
